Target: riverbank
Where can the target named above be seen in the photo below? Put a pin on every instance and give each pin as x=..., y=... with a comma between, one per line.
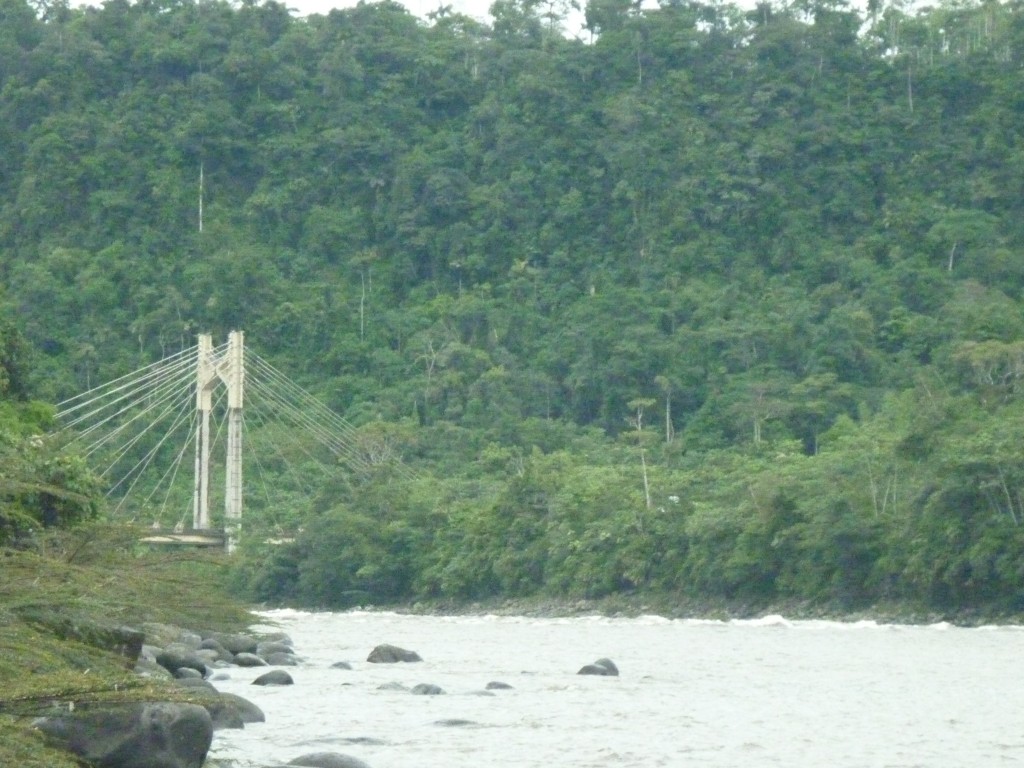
x=673, y=606
x=63, y=601
x=61, y=596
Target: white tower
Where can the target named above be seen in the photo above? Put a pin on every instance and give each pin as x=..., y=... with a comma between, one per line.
x=228, y=368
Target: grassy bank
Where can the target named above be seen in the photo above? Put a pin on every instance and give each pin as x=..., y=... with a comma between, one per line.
x=61, y=596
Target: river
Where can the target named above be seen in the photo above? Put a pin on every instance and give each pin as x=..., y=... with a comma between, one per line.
x=714, y=694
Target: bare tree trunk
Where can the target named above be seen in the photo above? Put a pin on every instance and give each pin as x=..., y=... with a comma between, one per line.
x=910, y=87
x=668, y=416
x=647, y=485
x=362, y=305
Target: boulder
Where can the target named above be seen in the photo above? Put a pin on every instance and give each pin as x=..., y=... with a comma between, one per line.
x=230, y=711
x=328, y=760
x=427, y=689
x=211, y=649
x=267, y=647
x=210, y=656
x=187, y=673
x=281, y=660
x=601, y=667
x=341, y=665
x=390, y=654
x=497, y=685
x=274, y=677
x=224, y=718
x=235, y=642
x=249, y=660
x=175, y=656
x=149, y=735
x=250, y=712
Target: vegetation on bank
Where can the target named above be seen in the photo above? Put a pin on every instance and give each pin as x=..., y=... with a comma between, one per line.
x=719, y=304
x=61, y=594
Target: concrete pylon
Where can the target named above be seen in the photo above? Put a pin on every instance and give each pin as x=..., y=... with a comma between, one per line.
x=227, y=368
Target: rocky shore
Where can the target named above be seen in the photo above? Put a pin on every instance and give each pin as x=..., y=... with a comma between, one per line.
x=177, y=730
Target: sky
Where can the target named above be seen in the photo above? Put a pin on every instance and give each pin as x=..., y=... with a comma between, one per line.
x=477, y=9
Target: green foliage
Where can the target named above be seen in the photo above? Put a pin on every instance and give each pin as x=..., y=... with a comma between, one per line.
x=725, y=302
x=41, y=486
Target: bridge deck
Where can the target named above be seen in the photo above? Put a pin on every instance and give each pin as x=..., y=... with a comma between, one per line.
x=185, y=538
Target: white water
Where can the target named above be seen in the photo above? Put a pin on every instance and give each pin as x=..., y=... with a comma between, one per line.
x=690, y=693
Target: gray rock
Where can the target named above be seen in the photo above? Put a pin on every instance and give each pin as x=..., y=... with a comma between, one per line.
x=341, y=665
x=281, y=660
x=249, y=660
x=267, y=647
x=392, y=686
x=231, y=712
x=329, y=760
x=235, y=642
x=176, y=656
x=247, y=711
x=190, y=639
x=390, y=654
x=211, y=649
x=601, y=667
x=154, y=735
x=208, y=655
x=187, y=673
x=427, y=689
x=497, y=685
x=224, y=718
x=274, y=677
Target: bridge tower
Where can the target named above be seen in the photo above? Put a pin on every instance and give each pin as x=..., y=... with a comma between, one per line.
x=226, y=368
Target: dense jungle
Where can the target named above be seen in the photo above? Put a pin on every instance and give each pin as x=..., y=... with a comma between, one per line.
x=704, y=302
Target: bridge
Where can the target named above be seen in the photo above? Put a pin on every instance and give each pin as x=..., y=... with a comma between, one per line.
x=136, y=431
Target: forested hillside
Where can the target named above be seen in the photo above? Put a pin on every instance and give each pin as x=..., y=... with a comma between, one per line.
x=714, y=302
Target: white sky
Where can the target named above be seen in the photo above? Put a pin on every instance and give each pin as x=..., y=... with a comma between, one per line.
x=475, y=8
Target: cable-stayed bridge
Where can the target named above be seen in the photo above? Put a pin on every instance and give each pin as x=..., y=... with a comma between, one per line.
x=173, y=436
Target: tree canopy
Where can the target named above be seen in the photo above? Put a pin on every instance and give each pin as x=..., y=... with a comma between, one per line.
x=717, y=301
